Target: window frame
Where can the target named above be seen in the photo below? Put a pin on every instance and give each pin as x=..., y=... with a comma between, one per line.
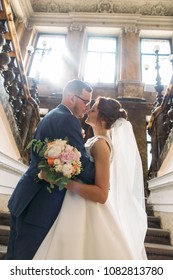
x=40, y=34
x=152, y=54
x=104, y=36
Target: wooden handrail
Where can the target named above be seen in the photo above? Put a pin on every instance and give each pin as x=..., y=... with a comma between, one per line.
x=12, y=35
x=24, y=107
x=159, y=127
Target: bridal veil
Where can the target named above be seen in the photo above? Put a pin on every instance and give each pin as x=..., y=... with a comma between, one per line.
x=127, y=187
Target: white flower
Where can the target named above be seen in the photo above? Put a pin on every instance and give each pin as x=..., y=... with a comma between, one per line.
x=61, y=161
x=57, y=165
x=67, y=170
x=61, y=143
x=78, y=154
x=68, y=148
x=53, y=150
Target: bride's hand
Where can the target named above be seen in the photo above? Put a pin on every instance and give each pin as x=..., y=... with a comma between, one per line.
x=70, y=185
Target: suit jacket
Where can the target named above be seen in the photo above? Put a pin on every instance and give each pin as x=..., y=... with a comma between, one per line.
x=31, y=195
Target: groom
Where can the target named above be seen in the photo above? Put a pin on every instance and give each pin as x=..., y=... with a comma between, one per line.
x=33, y=209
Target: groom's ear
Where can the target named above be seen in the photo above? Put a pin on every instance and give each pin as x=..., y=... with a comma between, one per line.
x=72, y=99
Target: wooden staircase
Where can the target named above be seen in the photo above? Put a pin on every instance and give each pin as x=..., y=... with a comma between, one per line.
x=157, y=241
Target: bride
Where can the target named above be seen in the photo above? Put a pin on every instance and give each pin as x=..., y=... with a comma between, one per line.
x=107, y=220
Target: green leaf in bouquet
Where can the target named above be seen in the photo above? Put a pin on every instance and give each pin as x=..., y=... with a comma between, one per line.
x=51, y=176
x=42, y=164
x=42, y=151
x=49, y=168
x=31, y=143
x=38, y=146
x=50, y=187
x=62, y=183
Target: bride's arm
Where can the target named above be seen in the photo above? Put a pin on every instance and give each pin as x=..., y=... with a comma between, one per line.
x=99, y=191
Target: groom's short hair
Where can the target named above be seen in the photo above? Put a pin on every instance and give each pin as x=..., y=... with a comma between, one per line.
x=76, y=86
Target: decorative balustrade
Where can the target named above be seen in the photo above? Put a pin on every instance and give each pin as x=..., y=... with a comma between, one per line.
x=159, y=127
x=22, y=100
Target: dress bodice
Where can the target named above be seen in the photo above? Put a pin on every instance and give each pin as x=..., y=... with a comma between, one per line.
x=91, y=141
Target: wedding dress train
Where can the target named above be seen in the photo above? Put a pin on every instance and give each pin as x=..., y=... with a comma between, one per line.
x=84, y=230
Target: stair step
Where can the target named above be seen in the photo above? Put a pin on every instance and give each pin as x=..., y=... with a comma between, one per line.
x=159, y=251
x=157, y=241
x=4, y=234
x=5, y=218
x=3, y=250
x=153, y=222
x=149, y=210
x=159, y=236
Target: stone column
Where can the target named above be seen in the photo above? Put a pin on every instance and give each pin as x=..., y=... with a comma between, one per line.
x=129, y=83
x=74, y=45
x=136, y=109
x=130, y=89
x=27, y=35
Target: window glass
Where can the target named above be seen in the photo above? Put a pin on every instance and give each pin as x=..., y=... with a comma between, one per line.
x=48, y=58
x=148, y=61
x=147, y=46
x=100, y=66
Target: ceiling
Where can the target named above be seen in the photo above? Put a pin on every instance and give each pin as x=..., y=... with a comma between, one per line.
x=148, y=7
x=143, y=7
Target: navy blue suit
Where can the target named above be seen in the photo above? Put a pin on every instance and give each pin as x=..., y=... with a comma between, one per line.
x=33, y=209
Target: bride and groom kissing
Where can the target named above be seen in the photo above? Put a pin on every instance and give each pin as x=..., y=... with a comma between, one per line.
x=90, y=217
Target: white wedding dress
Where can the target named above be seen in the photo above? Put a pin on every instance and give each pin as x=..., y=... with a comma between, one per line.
x=86, y=230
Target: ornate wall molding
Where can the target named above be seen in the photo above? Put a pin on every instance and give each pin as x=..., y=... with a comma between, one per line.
x=75, y=27
x=166, y=156
x=145, y=7
x=23, y=20
x=22, y=10
x=144, y=14
x=131, y=29
x=11, y=171
x=105, y=7
x=130, y=89
x=161, y=193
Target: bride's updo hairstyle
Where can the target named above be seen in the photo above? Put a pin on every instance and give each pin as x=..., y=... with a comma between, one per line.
x=110, y=110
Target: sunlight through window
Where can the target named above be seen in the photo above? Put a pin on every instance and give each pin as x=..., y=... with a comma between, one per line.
x=148, y=61
x=100, y=66
x=48, y=60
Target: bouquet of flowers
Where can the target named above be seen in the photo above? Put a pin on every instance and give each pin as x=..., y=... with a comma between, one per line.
x=60, y=161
